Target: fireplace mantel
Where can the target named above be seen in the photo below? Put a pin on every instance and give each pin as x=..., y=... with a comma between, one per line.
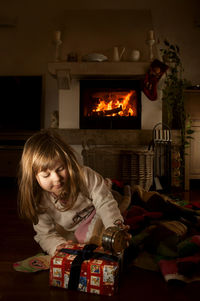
x=65, y=71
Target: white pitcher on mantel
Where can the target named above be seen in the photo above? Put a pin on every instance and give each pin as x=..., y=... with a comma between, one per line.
x=116, y=55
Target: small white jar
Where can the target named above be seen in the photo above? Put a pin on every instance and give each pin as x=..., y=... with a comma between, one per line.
x=135, y=55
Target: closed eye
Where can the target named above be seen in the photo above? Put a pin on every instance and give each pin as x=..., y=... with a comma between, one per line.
x=45, y=174
x=60, y=168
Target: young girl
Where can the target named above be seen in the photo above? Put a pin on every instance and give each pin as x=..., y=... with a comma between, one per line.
x=63, y=199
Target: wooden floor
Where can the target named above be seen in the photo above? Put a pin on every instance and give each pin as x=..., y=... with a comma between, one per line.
x=16, y=241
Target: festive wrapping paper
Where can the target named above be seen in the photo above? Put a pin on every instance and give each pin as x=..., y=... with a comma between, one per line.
x=85, y=268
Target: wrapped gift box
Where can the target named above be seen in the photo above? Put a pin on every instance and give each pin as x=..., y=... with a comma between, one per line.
x=86, y=268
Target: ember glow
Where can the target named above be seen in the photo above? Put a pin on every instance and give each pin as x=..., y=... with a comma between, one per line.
x=115, y=104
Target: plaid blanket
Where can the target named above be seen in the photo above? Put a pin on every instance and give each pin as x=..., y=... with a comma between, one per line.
x=165, y=235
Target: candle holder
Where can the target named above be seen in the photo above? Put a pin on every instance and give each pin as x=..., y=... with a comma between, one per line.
x=57, y=50
x=57, y=42
x=151, y=43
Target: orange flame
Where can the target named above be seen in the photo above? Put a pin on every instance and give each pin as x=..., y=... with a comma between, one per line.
x=121, y=106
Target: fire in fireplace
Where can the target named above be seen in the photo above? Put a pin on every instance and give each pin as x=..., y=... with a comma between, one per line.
x=110, y=104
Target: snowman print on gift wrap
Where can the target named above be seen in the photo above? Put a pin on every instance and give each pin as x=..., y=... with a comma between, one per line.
x=108, y=274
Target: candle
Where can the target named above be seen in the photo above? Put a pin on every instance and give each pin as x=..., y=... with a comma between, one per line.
x=156, y=135
x=56, y=35
x=151, y=35
x=161, y=134
x=168, y=138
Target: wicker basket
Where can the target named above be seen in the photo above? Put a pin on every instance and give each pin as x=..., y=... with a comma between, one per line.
x=137, y=167
x=133, y=166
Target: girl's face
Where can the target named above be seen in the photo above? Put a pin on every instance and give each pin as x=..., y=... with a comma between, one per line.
x=53, y=180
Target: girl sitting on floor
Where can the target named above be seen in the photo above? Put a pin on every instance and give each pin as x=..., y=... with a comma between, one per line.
x=64, y=200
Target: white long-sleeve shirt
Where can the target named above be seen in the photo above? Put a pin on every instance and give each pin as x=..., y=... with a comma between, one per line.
x=101, y=204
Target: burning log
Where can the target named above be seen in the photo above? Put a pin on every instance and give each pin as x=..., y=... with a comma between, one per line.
x=113, y=111
x=107, y=112
x=97, y=113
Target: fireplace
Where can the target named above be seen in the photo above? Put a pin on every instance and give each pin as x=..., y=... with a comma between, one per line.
x=110, y=104
x=121, y=75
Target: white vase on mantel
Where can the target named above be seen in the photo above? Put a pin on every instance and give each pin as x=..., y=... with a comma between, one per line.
x=117, y=55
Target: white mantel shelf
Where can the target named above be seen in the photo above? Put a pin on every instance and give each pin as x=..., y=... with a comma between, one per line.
x=65, y=71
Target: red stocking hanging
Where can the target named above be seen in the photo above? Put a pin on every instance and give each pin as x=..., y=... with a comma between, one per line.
x=157, y=69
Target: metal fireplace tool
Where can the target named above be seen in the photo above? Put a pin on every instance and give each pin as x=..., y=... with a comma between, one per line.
x=162, y=157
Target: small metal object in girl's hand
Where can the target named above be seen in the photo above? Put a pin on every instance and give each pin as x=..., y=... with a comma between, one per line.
x=114, y=239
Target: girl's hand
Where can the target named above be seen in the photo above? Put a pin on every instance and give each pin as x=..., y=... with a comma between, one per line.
x=63, y=245
x=127, y=236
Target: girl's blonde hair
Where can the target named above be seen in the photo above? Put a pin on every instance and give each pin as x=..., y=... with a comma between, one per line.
x=39, y=154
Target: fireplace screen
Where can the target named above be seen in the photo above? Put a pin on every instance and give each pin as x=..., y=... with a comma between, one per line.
x=107, y=104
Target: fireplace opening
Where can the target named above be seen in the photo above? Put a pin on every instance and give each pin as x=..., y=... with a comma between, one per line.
x=110, y=104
